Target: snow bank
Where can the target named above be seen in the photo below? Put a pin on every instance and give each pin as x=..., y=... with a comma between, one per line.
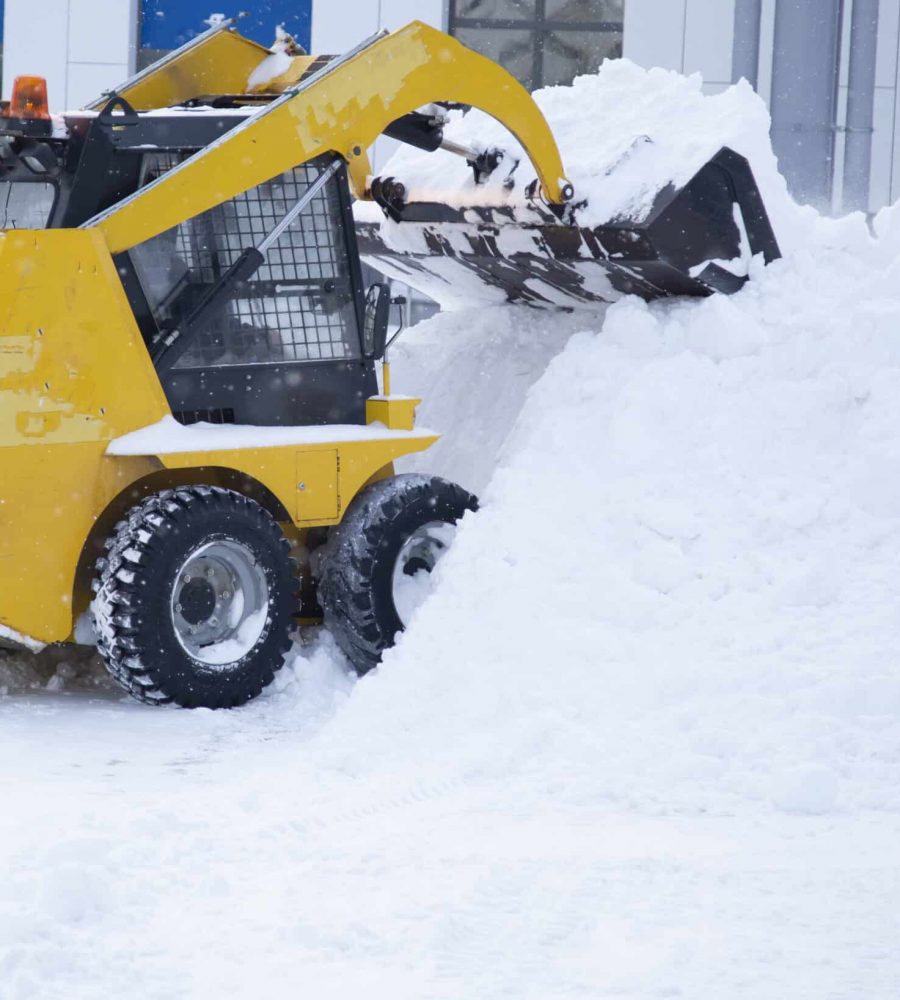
x=623, y=133
x=687, y=567
x=687, y=558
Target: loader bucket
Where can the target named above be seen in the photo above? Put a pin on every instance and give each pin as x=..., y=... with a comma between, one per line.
x=695, y=240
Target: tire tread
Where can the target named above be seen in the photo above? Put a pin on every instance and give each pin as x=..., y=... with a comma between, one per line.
x=120, y=576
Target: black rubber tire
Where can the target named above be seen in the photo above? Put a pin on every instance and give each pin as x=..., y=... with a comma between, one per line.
x=133, y=586
x=357, y=564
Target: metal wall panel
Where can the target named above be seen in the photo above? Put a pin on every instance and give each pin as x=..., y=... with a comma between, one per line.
x=654, y=32
x=708, y=34
x=804, y=95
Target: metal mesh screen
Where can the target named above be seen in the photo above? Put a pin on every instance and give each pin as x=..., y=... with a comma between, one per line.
x=297, y=307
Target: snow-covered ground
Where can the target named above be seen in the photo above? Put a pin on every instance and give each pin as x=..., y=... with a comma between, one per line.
x=642, y=740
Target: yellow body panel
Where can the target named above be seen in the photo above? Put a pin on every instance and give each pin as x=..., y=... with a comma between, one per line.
x=342, y=110
x=219, y=62
x=73, y=366
x=331, y=473
x=396, y=412
x=74, y=374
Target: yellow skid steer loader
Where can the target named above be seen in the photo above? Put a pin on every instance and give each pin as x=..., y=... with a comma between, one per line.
x=190, y=415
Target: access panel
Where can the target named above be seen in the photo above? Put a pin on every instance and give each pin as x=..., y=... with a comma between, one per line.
x=317, y=484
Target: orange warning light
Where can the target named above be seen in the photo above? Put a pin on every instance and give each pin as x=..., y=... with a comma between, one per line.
x=29, y=98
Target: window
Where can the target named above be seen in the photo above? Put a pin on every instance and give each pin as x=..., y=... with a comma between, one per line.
x=541, y=42
x=297, y=307
x=26, y=204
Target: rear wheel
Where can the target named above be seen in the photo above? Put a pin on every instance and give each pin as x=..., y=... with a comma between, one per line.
x=375, y=566
x=195, y=599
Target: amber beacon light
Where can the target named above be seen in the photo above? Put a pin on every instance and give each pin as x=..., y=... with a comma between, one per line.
x=29, y=98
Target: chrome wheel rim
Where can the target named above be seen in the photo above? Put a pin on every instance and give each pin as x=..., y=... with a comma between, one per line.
x=415, y=561
x=220, y=601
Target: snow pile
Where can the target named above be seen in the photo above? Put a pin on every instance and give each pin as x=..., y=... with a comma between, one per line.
x=682, y=590
x=624, y=133
x=473, y=371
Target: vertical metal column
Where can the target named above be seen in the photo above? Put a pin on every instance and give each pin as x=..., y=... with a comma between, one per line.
x=804, y=94
x=860, y=104
x=134, y=37
x=745, y=52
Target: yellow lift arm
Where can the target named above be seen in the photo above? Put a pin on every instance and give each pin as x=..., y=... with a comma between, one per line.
x=341, y=109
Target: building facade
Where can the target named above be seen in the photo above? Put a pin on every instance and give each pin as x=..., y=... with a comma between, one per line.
x=810, y=59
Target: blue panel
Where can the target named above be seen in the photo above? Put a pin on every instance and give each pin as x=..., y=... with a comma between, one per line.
x=167, y=24
x=1, y=21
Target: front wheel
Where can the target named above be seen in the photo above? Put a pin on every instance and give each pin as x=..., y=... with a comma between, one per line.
x=195, y=599
x=375, y=566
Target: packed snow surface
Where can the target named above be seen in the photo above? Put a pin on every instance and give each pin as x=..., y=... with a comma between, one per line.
x=641, y=740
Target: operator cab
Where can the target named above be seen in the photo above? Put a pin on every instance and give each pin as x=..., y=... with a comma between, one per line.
x=277, y=343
